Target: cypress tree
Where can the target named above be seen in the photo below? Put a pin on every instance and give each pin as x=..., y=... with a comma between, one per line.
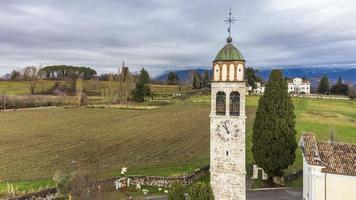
x=340, y=88
x=144, y=76
x=206, y=80
x=142, y=88
x=197, y=82
x=274, y=141
x=172, y=78
x=323, y=87
x=251, y=77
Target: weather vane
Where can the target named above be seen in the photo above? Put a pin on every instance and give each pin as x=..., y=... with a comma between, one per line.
x=229, y=20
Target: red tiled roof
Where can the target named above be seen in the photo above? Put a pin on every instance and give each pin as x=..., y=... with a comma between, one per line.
x=338, y=158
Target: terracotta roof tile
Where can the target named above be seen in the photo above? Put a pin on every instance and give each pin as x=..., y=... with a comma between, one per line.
x=338, y=158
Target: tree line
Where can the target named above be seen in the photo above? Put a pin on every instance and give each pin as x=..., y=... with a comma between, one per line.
x=61, y=72
x=125, y=86
x=339, y=87
x=121, y=87
x=55, y=72
x=197, y=80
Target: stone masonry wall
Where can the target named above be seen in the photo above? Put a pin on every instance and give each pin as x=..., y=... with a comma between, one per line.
x=156, y=181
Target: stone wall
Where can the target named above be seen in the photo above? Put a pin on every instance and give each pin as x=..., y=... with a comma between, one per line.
x=47, y=194
x=227, y=151
x=320, y=96
x=157, y=181
x=293, y=176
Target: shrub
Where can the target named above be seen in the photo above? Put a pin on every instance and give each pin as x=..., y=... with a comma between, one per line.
x=62, y=182
x=79, y=184
x=176, y=192
x=83, y=99
x=352, y=96
x=201, y=191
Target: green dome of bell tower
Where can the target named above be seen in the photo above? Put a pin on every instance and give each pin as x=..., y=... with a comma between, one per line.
x=229, y=52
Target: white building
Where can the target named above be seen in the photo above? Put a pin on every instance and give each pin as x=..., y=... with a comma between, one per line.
x=329, y=169
x=260, y=88
x=299, y=86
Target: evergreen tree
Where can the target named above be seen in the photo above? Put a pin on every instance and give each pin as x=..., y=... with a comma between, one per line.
x=172, y=78
x=144, y=76
x=340, y=88
x=206, y=80
x=323, y=87
x=15, y=75
x=142, y=88
x=251, y=77
x=197, y=82
x=274, y=141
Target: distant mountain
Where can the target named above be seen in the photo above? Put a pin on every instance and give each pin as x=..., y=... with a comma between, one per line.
x=185, y=76
x=313, y=74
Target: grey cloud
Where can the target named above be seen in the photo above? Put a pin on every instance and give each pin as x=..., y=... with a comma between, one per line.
x=162, y=35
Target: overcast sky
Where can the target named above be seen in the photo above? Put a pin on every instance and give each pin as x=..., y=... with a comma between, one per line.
x=174, y=34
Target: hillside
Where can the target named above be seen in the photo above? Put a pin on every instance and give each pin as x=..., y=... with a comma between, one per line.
x=313, y=74
x=185, y=76
x=333, y=74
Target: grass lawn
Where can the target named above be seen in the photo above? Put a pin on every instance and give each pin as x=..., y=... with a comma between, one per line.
x=170, y=140
x=23, y=87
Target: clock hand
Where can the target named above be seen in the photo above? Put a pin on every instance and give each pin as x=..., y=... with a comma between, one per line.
x=225, y=126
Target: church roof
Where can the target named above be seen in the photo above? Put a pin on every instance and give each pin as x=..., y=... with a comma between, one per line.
x=335, y=157
x=229, y=52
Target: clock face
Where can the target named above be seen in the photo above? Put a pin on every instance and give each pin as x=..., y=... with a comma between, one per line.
x=227, y=130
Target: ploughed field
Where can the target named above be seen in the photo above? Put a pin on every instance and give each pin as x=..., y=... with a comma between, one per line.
x=167, y=141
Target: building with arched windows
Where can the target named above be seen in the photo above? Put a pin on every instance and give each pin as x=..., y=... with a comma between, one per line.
x=227, y=124
x=298, y=86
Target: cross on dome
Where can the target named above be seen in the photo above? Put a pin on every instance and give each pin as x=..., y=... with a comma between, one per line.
x=229, y=20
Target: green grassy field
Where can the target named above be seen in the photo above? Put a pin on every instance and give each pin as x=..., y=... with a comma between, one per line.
x=23, y=87
x=170, y=140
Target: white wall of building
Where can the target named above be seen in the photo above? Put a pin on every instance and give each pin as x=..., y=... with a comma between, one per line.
x=260, y=89
x=340, y=187
x=318, y=185
x=298, y=86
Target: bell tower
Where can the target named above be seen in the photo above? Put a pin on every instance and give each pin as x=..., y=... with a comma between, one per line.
x=227, y=123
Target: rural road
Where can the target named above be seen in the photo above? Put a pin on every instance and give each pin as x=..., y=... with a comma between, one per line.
x=274, y=194
x=278, y=194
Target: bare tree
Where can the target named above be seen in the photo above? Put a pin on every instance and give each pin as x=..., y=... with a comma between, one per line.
x=4, y=102
x=31, y=74
x=125, y=83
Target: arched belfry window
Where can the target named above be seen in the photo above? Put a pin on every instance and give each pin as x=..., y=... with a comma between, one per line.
x=235, y=104
x=220, y=103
